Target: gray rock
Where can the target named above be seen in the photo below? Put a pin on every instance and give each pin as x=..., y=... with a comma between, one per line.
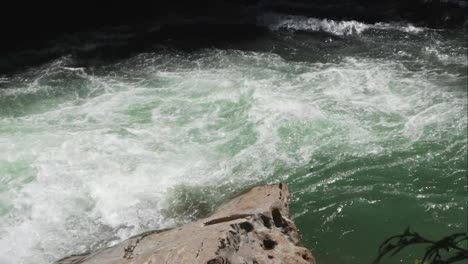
x=252, y=227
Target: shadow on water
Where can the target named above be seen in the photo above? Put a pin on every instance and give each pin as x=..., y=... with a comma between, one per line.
x=111, y=44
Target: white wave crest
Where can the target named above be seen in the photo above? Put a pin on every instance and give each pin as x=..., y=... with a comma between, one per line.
x=341, y=28
x=276, y=22
x=405, y=28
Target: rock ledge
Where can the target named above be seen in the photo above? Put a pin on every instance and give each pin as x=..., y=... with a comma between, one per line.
x=253, y=227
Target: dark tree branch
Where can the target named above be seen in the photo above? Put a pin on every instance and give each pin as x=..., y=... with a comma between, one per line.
x=450, y=245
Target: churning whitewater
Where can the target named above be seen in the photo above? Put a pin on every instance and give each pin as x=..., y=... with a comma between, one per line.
x=92, y=155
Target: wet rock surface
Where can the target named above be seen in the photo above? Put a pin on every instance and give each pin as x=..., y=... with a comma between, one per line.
x=252, y=227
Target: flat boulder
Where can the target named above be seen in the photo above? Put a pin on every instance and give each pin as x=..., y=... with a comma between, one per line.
x=253, y=227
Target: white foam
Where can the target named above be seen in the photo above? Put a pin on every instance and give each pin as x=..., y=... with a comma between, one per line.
x=276, y=21
x=409, y=28
x=288, y=22
x=103, y=164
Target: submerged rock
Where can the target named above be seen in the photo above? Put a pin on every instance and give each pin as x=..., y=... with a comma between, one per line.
x=252, y=227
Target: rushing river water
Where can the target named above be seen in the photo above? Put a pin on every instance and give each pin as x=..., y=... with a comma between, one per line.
x=366, y=123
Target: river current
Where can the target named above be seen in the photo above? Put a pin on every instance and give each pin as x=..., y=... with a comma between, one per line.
x=367, y=123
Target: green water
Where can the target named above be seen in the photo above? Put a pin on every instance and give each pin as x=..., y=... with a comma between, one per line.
x=368, y=128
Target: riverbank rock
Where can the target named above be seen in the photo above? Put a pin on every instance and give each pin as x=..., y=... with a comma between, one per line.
x=253, y=227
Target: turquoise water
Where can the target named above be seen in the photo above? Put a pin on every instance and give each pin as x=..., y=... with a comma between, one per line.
x=366, y=123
